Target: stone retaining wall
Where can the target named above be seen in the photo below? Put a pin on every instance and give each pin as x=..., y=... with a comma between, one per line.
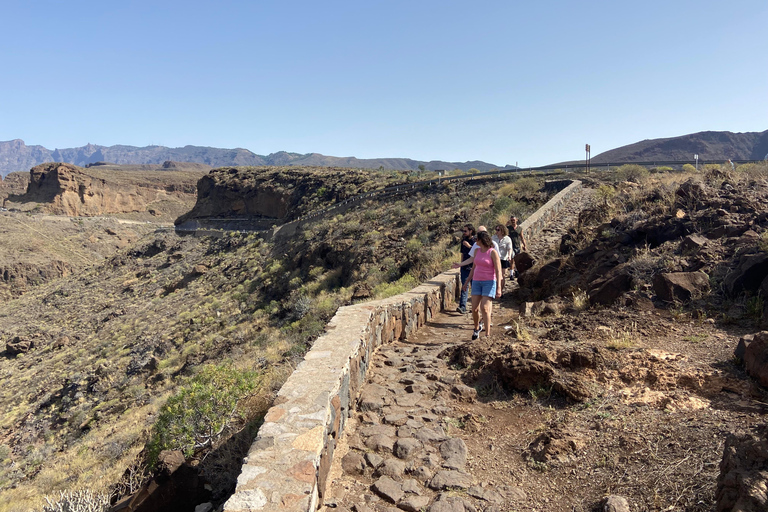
x=287, y=466
x=534, y=224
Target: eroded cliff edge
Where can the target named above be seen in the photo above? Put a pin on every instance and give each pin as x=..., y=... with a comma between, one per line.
x=65, y=189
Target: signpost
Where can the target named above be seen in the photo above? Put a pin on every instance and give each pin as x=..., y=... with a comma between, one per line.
x=696, y=157
x=587, y=160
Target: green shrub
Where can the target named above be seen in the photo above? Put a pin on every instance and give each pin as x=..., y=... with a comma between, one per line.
x=202, y=409
x=689, y=168
x=527, y=188
x=632, y=172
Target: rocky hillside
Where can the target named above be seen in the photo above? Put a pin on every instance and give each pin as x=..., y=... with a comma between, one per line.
x=17, y=156
x=708, y=145
x=64, y=189
x=90, y=359
x=13, y=184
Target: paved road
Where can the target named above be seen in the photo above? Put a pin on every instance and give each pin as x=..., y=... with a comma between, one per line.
x=397, y=450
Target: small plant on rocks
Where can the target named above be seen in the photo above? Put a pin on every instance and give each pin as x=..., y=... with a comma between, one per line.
x=84, y=500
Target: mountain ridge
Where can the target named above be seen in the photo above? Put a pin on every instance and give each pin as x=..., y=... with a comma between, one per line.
x=16, y=156
x=709, y=145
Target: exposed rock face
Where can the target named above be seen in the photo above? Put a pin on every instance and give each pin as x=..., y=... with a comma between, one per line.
x=270, y=192
x=15, y=183
x=743, y=481
x=20, y=276
x=70, y=190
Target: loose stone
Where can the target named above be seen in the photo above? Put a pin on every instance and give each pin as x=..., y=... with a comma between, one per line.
x=414, y=424
x=464, y=392
x=380, y=443
x=485, y=494
x=406, y=447
x=423, y=474
x=616, y=504
x=427, y=435
x=388, y=489
x=414, y=503
x=395, y=419
x=374, y=459
x=445, y=503
x=392, y=468
x=454, y=451
x=449, y=479
x=353, y=464
x=411, y=486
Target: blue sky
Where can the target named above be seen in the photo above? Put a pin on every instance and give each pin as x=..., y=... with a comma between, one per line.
x=504, y=82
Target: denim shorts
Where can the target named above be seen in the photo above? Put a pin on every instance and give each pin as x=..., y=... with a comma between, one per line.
x=484, y=288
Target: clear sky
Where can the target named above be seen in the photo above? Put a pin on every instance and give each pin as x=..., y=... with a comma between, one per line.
x=500, y=81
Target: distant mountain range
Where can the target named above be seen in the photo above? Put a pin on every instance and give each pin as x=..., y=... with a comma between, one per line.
x=17, y=156
x=708, y=145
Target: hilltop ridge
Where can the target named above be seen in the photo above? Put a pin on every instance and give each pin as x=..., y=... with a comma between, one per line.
x=15, y=155
x=709, y=145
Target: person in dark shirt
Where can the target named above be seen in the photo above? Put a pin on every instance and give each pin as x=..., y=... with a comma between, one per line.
x=467, y=241
x=518, y=242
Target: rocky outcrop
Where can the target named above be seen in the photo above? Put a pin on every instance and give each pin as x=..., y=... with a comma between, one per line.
x=272, y=192
x=66, y=189
x=13, y=184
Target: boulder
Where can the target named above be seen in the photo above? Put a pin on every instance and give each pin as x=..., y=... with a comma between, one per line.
x=748, y=275
x=692, y=243
x=523, y=262
x=606, y=291
x=692, y=189
x=680, y=286
x=19, y=345
x=741, y=347
x=548, y=272
x=756, y=358
x=743, y=481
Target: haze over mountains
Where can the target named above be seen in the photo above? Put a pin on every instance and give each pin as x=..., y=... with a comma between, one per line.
x=15, y=156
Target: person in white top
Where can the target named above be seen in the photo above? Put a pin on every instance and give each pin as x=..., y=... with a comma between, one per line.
x=501, y=237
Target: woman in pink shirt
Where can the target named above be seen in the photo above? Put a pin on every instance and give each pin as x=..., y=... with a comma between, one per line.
x=486, y=282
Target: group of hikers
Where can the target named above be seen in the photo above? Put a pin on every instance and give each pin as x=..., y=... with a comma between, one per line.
x=486, y=260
